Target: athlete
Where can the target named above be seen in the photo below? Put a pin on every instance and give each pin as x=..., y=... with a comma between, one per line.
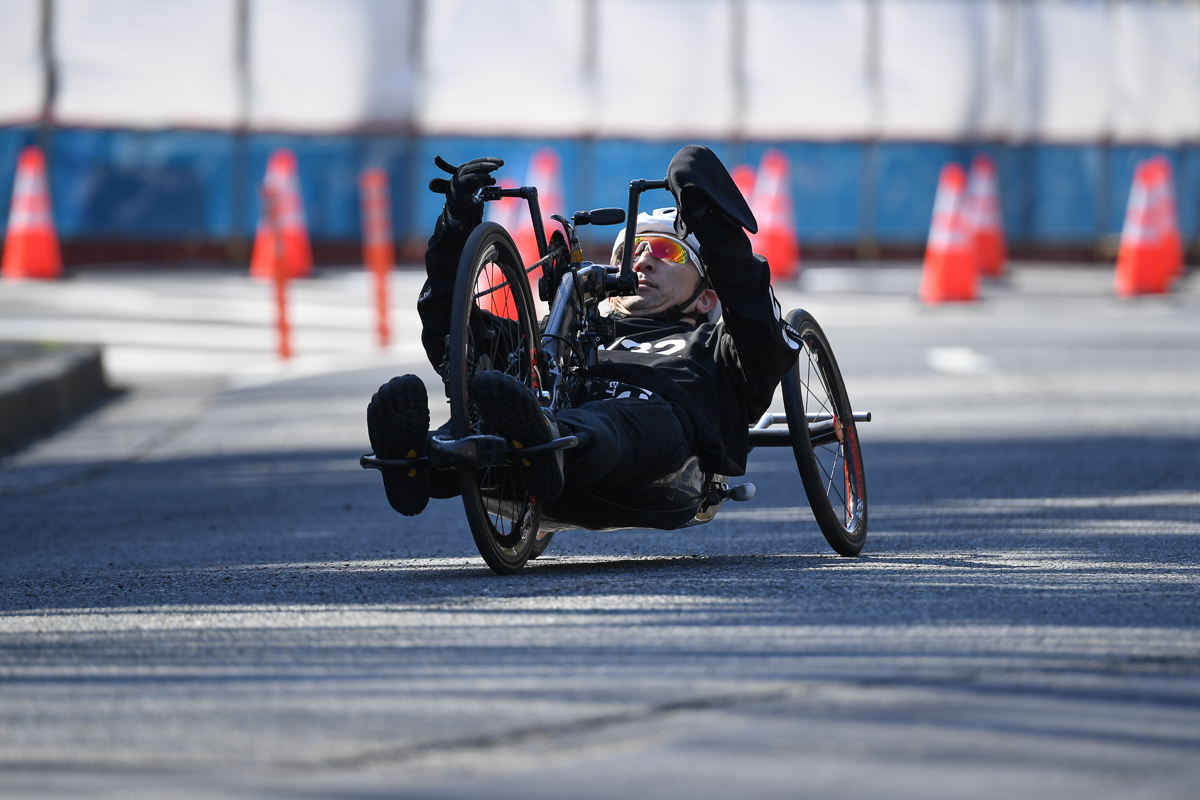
x=696, y=354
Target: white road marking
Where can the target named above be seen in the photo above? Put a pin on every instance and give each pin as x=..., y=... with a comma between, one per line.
x=958, y=360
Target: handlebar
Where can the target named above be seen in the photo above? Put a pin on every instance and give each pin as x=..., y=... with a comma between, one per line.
x=621, y=284
x=599, y=216
x=625, y=283
x=530, y=195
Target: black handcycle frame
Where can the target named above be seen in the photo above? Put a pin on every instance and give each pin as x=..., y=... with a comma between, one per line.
x=511, y=527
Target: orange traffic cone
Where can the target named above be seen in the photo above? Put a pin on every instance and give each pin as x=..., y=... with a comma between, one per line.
x=1141, y=262
x=1166, y=217
x=545, y=172
x=31, y=246
x=983, y=216
x=744, y=176
x=772, y=206
x=499, y=301
x=295, y=252
x=506, y=211
x=511, y=213
x=950, y=273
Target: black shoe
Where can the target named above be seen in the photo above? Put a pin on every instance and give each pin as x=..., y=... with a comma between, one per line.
x=510, y=409
x=398, y=422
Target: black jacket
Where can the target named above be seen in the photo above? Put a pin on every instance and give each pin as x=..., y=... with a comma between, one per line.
x=720, y=376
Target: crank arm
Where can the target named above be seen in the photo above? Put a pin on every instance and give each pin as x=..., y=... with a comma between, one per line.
x=482, y=450
x=475, y=452
x=561, y=443
x=443, y=454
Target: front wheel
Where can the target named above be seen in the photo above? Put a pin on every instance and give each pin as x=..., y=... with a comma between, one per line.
x=825, y=439
x=540, y=543
x=493, y=327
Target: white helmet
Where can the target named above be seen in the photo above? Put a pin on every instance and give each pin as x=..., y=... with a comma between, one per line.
x=662, y=222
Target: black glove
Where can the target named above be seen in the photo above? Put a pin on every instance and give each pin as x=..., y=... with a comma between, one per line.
x=461, y=190
x=709, y=202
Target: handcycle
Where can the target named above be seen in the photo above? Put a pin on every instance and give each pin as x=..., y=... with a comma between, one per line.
x=494, y=327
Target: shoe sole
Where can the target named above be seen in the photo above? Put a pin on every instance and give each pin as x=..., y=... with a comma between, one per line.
x=397, y=423
x=509, y=409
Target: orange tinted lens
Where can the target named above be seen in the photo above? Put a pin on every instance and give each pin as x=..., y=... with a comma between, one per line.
x=664, y=248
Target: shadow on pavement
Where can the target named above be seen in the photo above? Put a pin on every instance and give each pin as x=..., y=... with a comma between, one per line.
x=1068, y=531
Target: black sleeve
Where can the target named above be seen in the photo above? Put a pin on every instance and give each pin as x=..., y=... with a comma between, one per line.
x=437, y=295
x=755, y=351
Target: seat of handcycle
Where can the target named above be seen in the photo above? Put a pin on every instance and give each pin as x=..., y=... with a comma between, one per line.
x=670, y=502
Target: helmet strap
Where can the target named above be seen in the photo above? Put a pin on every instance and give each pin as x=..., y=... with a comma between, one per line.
x=674, y=313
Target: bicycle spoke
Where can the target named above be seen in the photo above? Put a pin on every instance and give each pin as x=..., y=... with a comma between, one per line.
x=813, y=359
x=824, y=383
x=808, y=390
x=808, y=387
x=825, y=386
x=818, y=397
x=808, y=393
x=831, y=474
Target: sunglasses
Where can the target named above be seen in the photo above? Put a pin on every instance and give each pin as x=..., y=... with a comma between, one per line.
x=660, y=247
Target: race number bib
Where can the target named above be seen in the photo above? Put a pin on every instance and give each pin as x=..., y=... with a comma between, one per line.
x=661, y=347
x=616, y=390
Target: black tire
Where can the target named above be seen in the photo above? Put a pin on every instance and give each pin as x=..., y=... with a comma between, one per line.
x=503, y=518
x=828, y=454
x=540, y=543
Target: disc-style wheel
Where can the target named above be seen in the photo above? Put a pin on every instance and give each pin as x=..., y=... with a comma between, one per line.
x=493, y=327
x=825, y=440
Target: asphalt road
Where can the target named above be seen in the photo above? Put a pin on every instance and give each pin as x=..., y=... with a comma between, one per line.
x=202, y=594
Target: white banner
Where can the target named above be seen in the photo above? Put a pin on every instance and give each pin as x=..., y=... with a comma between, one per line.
x=329, y=65
x=1156, y=64
x=806, y=69
x=21, y=78
x=505, y=67
x=934, y=72
x=664, y=68
x=1045, y=70
x=146, y=62
x=1062, y=70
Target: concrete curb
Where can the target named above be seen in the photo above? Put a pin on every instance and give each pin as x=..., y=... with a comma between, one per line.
x=42, y=386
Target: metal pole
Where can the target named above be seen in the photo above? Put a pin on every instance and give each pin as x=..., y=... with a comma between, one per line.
x=45, y=134
x=278, y=272
x=239, y=182
x=868, y=186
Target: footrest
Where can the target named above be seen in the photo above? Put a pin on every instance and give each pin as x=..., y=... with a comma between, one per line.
x=476, y=452
x=561, y=443
x=372, y=461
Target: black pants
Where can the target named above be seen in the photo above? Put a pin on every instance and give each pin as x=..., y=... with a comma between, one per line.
x=633, y=441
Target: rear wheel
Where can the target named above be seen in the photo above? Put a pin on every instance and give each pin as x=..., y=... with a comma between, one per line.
x=825, y=439
x=493, y=327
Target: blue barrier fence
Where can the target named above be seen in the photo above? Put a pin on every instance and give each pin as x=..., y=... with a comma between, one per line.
x=179, y=184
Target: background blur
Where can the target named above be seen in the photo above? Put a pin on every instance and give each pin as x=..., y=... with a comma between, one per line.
x=158, y=115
